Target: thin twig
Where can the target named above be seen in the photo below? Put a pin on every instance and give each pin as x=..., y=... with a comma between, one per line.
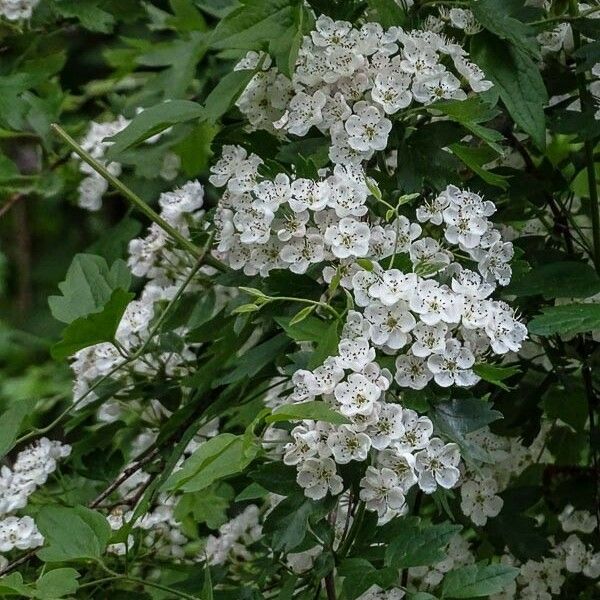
x=10, y=203
x=134, y=199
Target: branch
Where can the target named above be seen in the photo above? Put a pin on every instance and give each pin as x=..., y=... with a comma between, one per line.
x=136, y=200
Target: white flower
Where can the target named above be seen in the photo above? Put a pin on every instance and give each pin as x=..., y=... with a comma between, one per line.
x=300, y=253
x=402, y=463
x=479, y=500
x=437, y=465
x=232, y=158
x=581, y=559
x=412, y=371
x=347, y=445
x=392, y=92
x=576, y=520
x=505, y=332
x=348, y=192
x=432, y=210
x=304, y=446
x=453, y=365
x=274, y=193
x=318, y=476
x=348, y=238
x=390, y=324
x=381, y=491
x=326, y=377
x=177, y=204
x=493, y=262
x=305, y=111
x=437, y=86
x=309, y=194
x=355, y=354
x=392, y=286
x=19, y=532
x=389, y=426
x=367, y=128
x=429, y=339
x=435, y=303
x=357, y=395
x=416, y=434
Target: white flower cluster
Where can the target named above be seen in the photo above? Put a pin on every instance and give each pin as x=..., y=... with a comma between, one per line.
x=166, y=267
x=93, y=186
x=460, y=18
x=458, y=554
x=234, y=538
x=16, y=10
x=405, y=451
x=30, y=470
x=435, y=315
x=347, y=80
x=162, y=531
x=501, y=459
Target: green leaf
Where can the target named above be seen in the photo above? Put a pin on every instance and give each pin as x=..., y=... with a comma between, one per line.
x=12, y=585
x=216, y=459
x=302, y=314
x=470, y=113
x=418, y=543
x=359, y=575
x=519, y=83
x=495, y=16
x=307, y=330
x=71, y=533
x=11, y=422
x=255, y=23
x=95, y=328
x=315, y=410
x=494, y=374
x=256, y=359
x=225, y=93
x=57, y=583
x=87, y=13
x=287, y=524
x=88, y=286
x=458, y=417
x=217, y=8
x=285, y=47
x=389, y=14
x=207, y=506
x=113, y=243
x=476, y=581
x=151, y=121
x=476, y=159
x=565, y=279
x=574, y=412
x=568, y=319
x=275, y=477
x=327, y=345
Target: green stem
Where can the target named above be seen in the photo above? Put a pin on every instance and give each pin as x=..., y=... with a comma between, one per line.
x=587, y=103
x=128, y=360
x=306, y=301
x=354, y=529
x=146, y=583
x=135, y=199
x=565, y=18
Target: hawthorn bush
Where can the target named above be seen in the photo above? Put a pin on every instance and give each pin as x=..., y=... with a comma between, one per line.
x=300, y=299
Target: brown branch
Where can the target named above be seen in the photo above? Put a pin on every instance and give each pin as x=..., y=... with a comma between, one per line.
x=330, y=586
x=143, y=459
x=10, y=203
